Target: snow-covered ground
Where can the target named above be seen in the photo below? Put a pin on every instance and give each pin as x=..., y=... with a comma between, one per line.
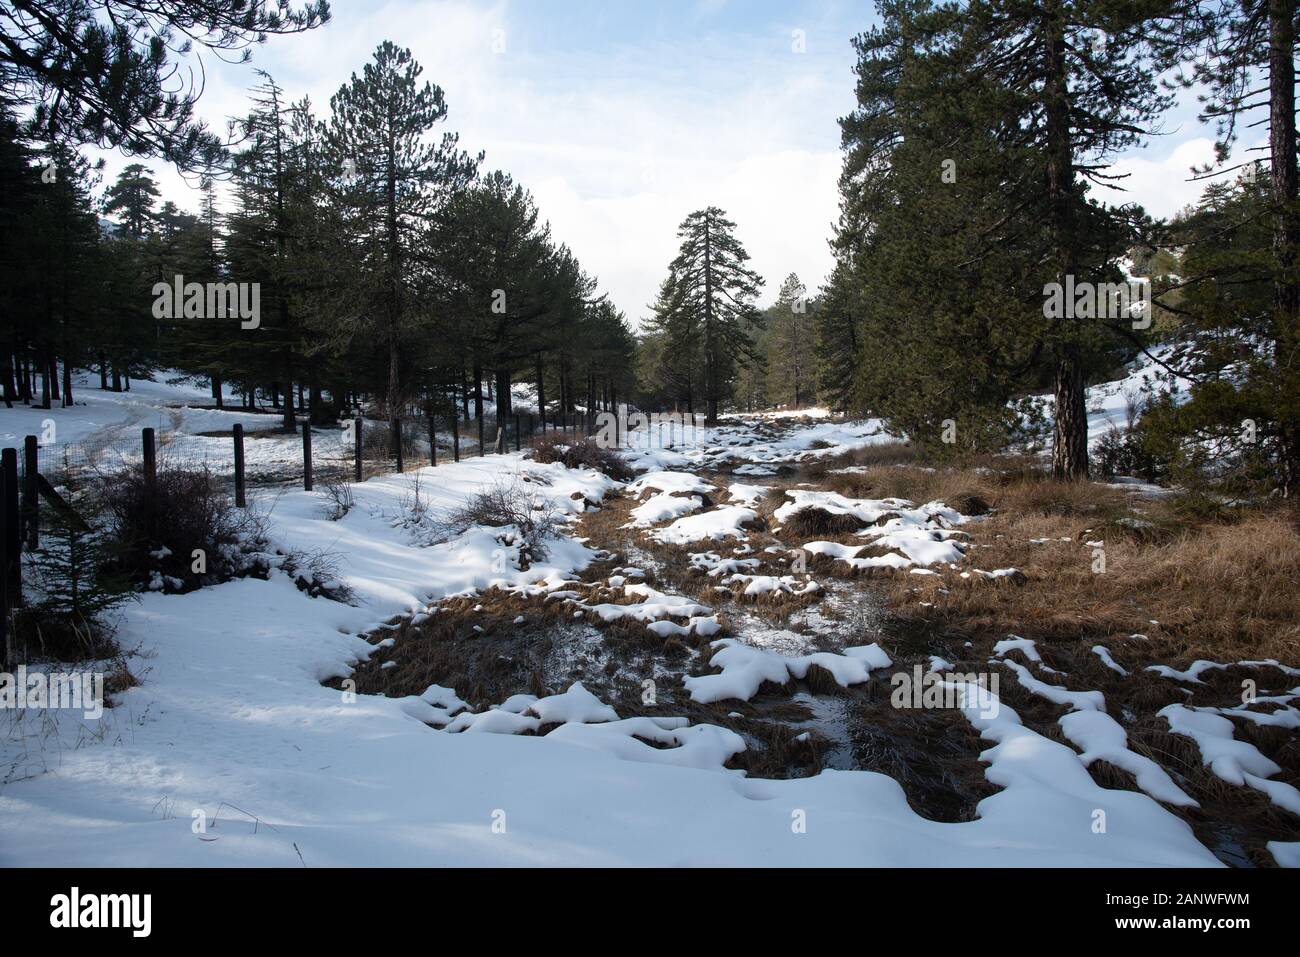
x=231, y=751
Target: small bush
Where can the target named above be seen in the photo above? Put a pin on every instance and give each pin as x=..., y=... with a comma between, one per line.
x=528, y=513
x=337, y=494
x=66, y=618
x=581, y=454
x=316, y=572
x=156, y=531
x=1125, y=453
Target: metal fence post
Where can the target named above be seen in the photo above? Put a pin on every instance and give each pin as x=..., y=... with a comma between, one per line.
x=240, y=499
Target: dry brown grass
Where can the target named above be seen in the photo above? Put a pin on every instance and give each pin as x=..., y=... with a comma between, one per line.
x=885, y=453
x=1217, y=591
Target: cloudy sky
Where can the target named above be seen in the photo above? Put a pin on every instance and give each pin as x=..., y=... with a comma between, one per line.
x=623, y=116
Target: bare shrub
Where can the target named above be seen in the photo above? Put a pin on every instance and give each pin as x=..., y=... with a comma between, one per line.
x=181, y=533
x=528, y=514
x=581, y=453
x=337, y=494
x=316, y=572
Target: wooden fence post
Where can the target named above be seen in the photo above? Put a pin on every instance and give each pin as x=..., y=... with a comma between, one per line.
x=455, y=437
x=31, y=499
x=306, y=456
x=359, y=464
x=150, y=460
x=240, y=499
x=480, y=435
x=397, y=440
x=13, y=541
x=517, y=446
x=8, y=649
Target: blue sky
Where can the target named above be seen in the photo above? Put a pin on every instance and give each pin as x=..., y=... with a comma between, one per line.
x=623, y=116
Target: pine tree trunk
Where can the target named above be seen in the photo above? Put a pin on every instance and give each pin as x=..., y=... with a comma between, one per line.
x=503, y=396
x=1286, y=231
x=56, y=393
x=103, y=373
x=710, y=346
x=67, y=384
x=45, y=385
x=1070, y=444
x=314, y=404
x=541, y=391
x=7, y=375
x=288, y=421
x=1070, y=440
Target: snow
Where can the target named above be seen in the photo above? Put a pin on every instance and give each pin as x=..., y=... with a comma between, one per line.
x=230, y=712
x=1101, y=652
x=1101, y=738
x=576, y=704
x=745, y=669
x=669, y=482
x=1237, y=762
x=1046, y=789
x=747, y=494
x=1077, y=700
x=921, y=534
x=749, y=446
x=662, y=507
x=1108, y=402
x=702, y=746
x=725, y=521
x=1026, y=646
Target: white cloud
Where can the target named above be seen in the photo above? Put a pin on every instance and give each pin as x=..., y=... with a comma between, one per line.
x=1164, y=187
x=621, y=135
x=617, y=144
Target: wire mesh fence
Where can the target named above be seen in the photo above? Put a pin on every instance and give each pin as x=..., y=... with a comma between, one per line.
x=355, y=450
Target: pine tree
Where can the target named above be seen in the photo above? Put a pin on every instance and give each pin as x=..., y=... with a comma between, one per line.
x=678, y=354
x=106, y=72
x=714, y=288
x=75, y=586
x=837, y=339
x=132, y=197
x=789, y=346
x=377, y=132
x=259, y=248
x=1252, y=41
x=1085, y=76
x=934, y=309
